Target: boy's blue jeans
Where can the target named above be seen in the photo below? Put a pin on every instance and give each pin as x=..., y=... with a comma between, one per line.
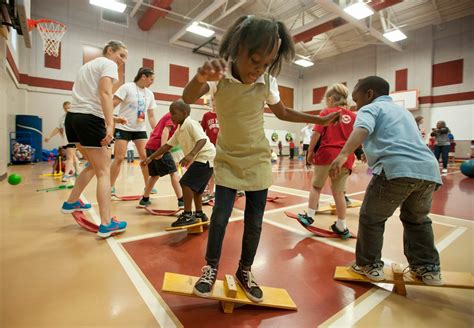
x=382, y=199
x=255, y=202
x=444, y=152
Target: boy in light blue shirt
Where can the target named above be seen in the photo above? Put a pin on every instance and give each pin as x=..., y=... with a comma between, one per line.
x=406, y=174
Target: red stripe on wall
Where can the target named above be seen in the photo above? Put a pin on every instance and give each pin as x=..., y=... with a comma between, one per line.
x=52, y=61
x=401, y=79
x=149, y=63
x=179, y=76
x=12, y=64
x=447, y=73
x=462, y=96
x=170, y=97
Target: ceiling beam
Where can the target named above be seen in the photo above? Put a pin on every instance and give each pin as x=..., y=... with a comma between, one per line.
x=229, y=11
x=336, y=9
x=201, y=16
x=136, y=7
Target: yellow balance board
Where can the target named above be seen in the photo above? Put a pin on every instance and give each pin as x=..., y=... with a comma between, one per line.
x=179, y=284
x=332, y=207
x=192, y=228
x=451, y=279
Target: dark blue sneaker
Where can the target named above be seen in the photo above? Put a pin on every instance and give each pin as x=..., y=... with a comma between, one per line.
x=305, y=219
x=113, y=228
x=344, y=234
x=72, y=207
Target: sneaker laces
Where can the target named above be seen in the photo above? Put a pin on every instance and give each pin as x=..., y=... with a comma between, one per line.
x=249, y=279
x=208, y=275
x=373, y=267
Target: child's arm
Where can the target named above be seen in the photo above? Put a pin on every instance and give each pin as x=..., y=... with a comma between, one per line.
x=290, y=115
x=211, y=70
x=52, y=134
x=314, y=140
x=163, y=149
x=165, y=134
x=356, y=138
x=188, y=159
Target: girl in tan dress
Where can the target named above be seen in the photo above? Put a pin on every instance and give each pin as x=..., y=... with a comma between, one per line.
x=241, y=84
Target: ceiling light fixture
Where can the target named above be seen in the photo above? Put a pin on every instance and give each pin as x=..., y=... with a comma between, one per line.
x=304, y=62
x=359, y=10
x=200, y=30
x=395, y=35
x=109, y=4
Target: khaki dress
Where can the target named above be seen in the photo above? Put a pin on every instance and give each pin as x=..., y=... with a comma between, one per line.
x=242, y=151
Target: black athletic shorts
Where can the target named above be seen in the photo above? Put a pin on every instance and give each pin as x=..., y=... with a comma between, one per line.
x=197, y=177
x=69, y=145
x=129, y=135
x=85, y=129
x=161, y=167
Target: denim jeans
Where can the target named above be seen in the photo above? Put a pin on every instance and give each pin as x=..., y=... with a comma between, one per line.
x=444, y=152
x=380, y=202
x=255, y=202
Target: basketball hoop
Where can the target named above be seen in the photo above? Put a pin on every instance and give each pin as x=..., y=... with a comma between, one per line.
x=51, y=33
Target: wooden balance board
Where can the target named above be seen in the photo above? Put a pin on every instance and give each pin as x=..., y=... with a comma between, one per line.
x=82, y=220
x=192, y=228
x=155, y=211
x=319, y=232
x=127, y=198
x=332, y=207
x=395, y=275
x=228, y=292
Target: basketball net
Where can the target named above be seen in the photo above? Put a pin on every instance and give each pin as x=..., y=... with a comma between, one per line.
x=51, y=33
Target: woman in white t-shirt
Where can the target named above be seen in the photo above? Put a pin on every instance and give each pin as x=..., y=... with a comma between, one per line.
x=90, y=124
x=72, y=163
x=136, y=101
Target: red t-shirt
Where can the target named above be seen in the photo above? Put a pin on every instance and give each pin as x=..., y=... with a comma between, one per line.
x=155, y=139
x=210, y=124
x=292, y=145
x=334, y=137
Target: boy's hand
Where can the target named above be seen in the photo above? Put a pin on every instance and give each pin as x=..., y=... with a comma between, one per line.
x=211, y=70
x=46, y=139
x=145, y=162
x=330, y=118
x=186, y=161
x=309, y=158
x=336, y=165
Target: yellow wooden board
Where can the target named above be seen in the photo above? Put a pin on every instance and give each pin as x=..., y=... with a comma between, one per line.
x=332, y=207
x=450, y=279
x=188, y=226
x=179, y=284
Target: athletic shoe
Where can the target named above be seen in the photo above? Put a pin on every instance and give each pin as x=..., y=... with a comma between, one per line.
x=184, y=219
x=348, y=201
x=372, y=271
x=113, y=228
x=305, y=219
x=154, y=191
x=206, y=199
x=429, y=274
x=344, y=234
x=76, y=206
x=203, y=287
x=247, y=281
x=144, y=203
x=112, y=191
x=201, y=216
x=444, y=171
x=240, y=193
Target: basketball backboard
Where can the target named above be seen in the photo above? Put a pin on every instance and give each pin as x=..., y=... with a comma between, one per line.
x=407, y=99
x=14, y=14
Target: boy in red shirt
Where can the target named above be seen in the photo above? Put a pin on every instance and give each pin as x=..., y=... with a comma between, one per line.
x=292, y=149
x=163, y=130
x=210, y=125
x=333, y=139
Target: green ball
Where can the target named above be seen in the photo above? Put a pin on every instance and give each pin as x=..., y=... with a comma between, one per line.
x=14, y=179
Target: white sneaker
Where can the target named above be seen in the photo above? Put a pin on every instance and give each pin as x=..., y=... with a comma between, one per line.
x=444, y=171
x=372, y=271
x=430, y=275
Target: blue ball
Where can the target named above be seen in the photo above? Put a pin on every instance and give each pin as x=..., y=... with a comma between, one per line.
x=467, y=168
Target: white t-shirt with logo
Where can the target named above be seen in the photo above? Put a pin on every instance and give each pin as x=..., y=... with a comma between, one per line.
x=135, y=103
x=85, y=92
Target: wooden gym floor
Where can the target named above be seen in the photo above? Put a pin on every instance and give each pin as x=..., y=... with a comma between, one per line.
x=54, y=274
